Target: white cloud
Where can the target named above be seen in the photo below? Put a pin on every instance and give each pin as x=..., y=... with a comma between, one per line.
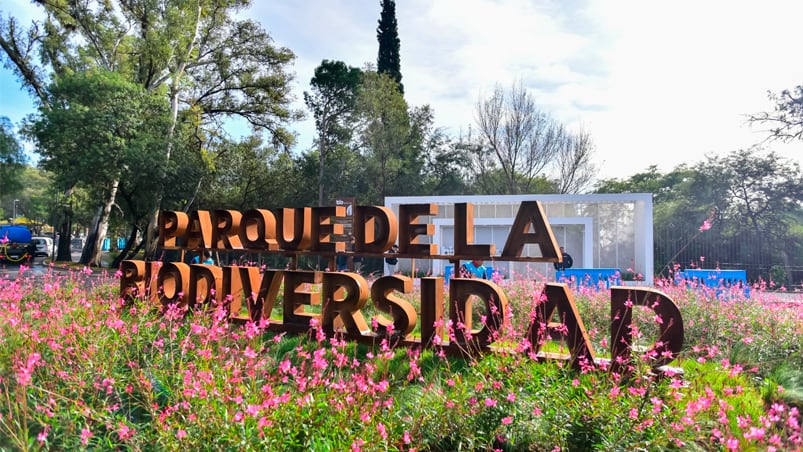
x=684, y=75
x=653, y=82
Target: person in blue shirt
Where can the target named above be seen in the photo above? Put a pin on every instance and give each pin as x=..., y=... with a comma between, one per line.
x=207, y=258
x=342, y=262
x=473, y=269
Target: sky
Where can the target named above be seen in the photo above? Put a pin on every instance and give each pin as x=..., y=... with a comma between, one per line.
x=653, y=83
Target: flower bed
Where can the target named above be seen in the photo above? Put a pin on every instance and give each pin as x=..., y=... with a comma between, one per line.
x=79, y=370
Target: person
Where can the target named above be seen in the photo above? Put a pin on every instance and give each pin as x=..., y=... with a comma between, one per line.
x=473, y=269
x=207, y=258
x=567, y=261
x=391, y=261
x=342, y=262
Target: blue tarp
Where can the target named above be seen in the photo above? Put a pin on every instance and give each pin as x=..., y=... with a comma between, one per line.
x=590, y=277
x=15, y=234
x=721, y=280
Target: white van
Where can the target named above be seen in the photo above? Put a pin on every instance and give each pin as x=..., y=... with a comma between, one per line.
x=44, y=246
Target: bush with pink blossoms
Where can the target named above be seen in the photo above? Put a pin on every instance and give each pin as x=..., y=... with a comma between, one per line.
x=81, y=371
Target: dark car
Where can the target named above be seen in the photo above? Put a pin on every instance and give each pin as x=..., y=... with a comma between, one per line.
x=16, y=244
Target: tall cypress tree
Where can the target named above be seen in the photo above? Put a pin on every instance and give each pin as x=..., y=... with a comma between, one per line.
x=387, y=33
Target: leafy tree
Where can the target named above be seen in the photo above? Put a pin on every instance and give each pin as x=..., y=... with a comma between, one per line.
x=98, y=120
x=207, y=63
x=35, y=199
x=761, y=192
x=741, y=210
x=389, y=59
x=12, y=158
x=390, y=145
x=248, y=174
x=445, y=172
x=332, y=102
x=650, y=181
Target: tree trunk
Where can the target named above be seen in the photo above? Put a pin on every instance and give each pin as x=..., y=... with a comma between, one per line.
x=152, y=231
x=93, y=250
x=90, y=245
x=64, y=248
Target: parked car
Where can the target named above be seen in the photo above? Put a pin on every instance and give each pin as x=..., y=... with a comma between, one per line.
x=77, y=244
x=44, y=246
x=15, y=243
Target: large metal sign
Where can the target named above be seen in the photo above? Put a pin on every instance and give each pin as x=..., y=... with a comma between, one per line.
x=341, y=296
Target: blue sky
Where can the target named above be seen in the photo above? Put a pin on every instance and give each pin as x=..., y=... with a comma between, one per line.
x=654, y=83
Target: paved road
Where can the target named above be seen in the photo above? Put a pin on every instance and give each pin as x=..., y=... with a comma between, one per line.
x=37, y=268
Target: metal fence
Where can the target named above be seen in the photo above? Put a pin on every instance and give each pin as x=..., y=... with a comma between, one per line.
x=757, y=255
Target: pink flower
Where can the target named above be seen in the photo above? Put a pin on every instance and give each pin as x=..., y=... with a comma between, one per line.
x=732, y=444
x=42, y=436
x=181, y=434
x=285, y=366
x=85, y=435
x=755, y=433
x=705, y=226
x=24, y=372
x=615, y=391
x=507, y=420
x=124, y=431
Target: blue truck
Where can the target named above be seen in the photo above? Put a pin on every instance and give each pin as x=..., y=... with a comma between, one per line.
x=16, y=244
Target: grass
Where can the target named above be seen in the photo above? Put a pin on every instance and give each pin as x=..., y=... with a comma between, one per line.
x=81, y=371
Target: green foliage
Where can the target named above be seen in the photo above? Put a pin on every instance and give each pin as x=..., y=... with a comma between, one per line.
x=99, y=375
x=100, y=120
x=389, y=59
x=332, y=102
x=758, y=189
x=12, y=159
x=334, y=92
x=116, y=124
x=201, y=60
x=248, y=175
x=751, y=199
x=389, y=141
x=445, y=172
x=35, y=199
